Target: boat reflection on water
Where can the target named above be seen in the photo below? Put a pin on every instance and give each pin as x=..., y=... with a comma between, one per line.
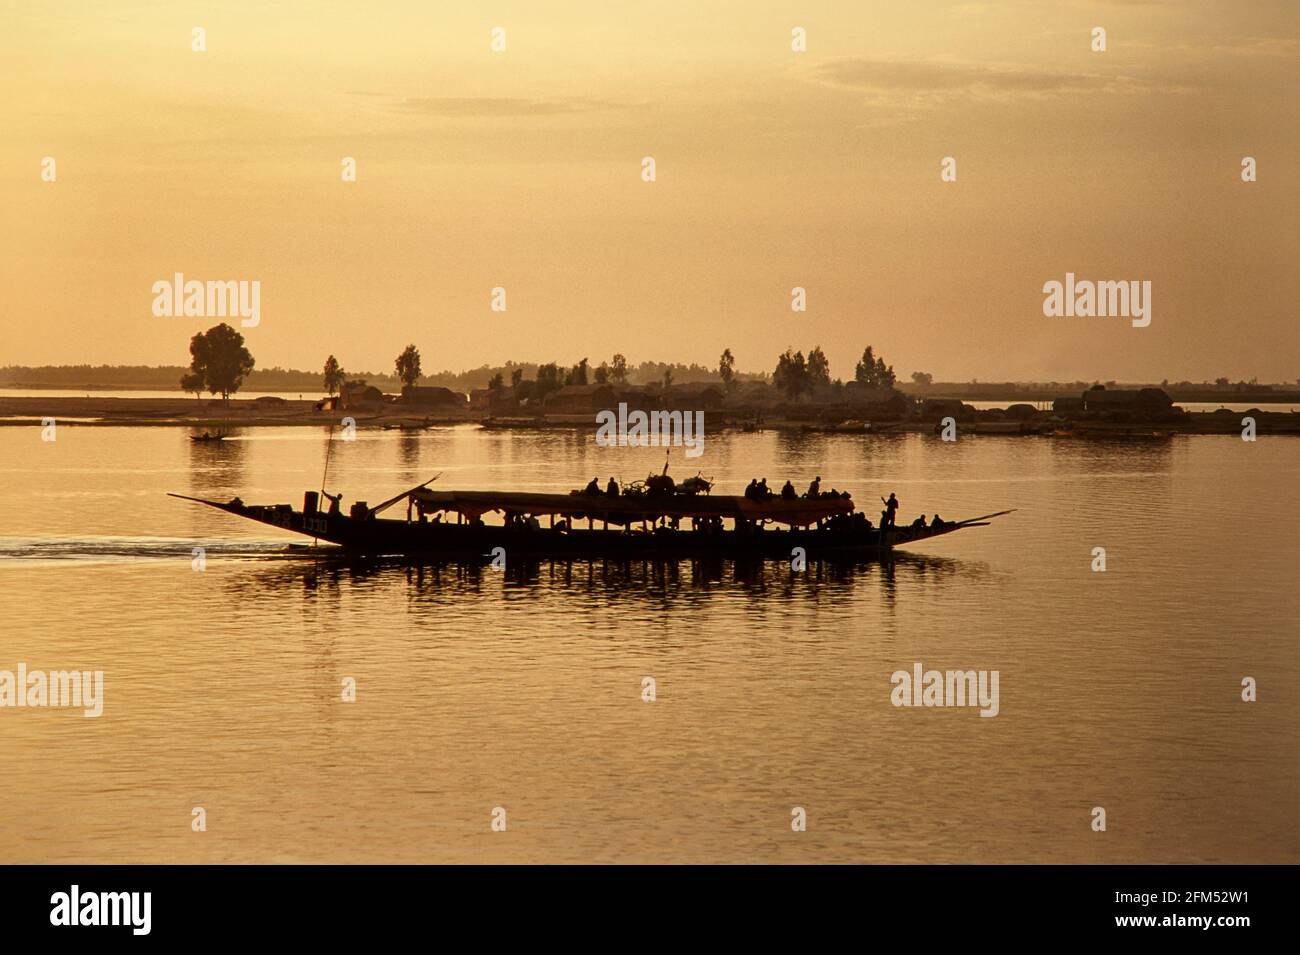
x=319, y=571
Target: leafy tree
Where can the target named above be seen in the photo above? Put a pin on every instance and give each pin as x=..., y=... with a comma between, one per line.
x=864, y=373
x=601, y=374
x=922, y=378
x=192, y=381
x=618, y=370
x=408, y=365
x=885, y=377
x=791, y=374
x=333, y=375
x=819, y=369
x=873, y=372
x=577, y=374
x=727, y=370
x=516, y=377
x=548, y=380
x=219, y=358
x=496, y=382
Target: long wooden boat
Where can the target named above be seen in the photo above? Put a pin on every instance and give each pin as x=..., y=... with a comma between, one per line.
x=450, y=525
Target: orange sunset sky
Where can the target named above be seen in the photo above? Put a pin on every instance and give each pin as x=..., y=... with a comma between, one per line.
x=775, y=169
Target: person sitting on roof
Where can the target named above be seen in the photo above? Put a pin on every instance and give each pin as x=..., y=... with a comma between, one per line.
x=751, y=491
x=593, y=487
x=788, y=492
x=612, y=488
x=815, y=488
x=764, y=493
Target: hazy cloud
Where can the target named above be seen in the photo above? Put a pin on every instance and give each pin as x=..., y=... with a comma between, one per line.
x=1261, y=46
x=924, y=81
x=471, y=107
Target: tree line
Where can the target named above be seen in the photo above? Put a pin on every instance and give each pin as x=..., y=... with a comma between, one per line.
x=796, y=375
x=220, y=361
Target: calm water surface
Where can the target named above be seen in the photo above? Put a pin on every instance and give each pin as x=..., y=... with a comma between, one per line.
x=478, y=689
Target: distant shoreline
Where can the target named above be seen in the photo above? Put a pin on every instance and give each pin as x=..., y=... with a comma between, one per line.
x=28, y=411
x=975, y=392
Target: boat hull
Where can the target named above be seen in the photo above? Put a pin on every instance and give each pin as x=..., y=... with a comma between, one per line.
x=451, y=541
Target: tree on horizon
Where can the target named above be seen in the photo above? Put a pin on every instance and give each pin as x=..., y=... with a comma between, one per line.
x=334, y=375
x=192, y=381
x=873, y=372
x=791, y=374
x=727, y=370
x=578, y=374
x=819, y=369
x=864, y=372
x=548, y=379
x=408, y=366
x=218, y=358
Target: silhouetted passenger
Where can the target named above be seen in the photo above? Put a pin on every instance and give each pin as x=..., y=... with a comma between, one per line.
x=919, y=522
x=751, y=490
x=891, y=507
x=764, y=493
x=612, y=488
x=936, y=521
x=815, y=488
x=593, y=487
x=788, y=492
x=335, y=500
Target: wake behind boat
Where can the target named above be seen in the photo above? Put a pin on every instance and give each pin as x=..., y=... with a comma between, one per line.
x=651, y=519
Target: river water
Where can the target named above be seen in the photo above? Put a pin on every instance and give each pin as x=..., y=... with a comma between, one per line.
x=523, y=690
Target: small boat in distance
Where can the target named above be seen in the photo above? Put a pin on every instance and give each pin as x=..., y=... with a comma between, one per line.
x=641, y=521
x=423, y=425
x=209, y=436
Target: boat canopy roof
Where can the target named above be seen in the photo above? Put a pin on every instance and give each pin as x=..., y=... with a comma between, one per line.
x=799, y=512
